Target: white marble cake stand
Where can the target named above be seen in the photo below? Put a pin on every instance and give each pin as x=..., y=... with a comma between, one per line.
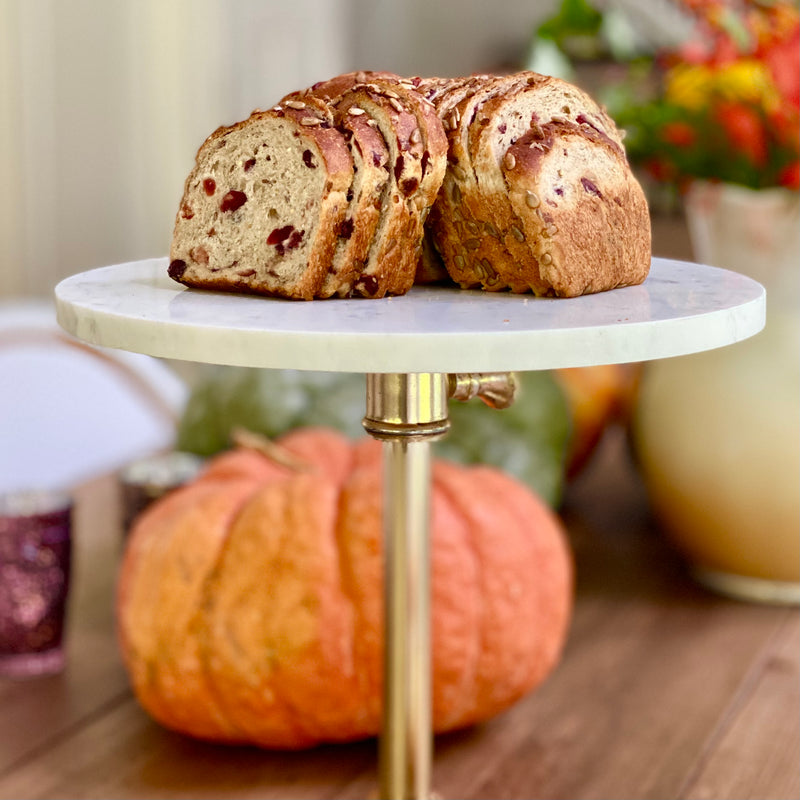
x=412, y=350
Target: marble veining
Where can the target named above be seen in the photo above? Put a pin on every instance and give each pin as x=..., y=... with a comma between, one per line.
x=681, y=308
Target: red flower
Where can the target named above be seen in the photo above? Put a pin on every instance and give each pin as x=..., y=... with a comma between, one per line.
x=680, y=134
x=790, y=176
x=781, y=58
x=745, y=131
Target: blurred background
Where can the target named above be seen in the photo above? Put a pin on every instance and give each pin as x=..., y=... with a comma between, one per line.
x=104, y=104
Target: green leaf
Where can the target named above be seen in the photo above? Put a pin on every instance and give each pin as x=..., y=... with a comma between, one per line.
x=528, y=440
x=574, y=17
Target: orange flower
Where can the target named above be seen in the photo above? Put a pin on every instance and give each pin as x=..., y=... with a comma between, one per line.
x=745, y=131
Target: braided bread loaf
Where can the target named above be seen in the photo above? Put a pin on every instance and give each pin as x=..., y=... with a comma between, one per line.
x=328, y=193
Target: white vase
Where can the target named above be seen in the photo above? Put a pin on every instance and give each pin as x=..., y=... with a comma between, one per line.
x=717, y=434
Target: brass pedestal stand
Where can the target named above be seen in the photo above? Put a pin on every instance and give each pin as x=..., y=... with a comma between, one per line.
x=407, y=412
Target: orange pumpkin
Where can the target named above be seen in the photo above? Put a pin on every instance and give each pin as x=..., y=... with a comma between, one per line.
x=250, y=602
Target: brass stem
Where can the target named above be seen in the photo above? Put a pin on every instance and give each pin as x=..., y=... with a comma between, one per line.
x=406, y=412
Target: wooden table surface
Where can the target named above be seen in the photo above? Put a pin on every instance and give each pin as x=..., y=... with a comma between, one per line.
x=664, y=690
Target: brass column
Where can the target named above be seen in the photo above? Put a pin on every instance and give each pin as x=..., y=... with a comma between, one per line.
x=407, y=411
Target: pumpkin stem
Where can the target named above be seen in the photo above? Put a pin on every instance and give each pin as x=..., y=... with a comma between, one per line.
x=241, y=437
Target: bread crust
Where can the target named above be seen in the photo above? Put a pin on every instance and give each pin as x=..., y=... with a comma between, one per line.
x=472, y=251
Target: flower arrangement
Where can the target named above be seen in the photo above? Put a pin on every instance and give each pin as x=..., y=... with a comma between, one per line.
x=726, y=104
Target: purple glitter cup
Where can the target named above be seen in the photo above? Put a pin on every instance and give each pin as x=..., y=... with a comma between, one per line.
x=35, y=550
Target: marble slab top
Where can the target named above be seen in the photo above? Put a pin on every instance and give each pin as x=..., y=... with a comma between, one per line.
x=681, y=308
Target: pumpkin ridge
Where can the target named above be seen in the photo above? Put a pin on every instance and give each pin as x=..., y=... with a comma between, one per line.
x=507, y=630
x=359, y=539
x=320, y=728
x=347, y=578
x=443, y=472
x=235, y=678
x=172, y=644
x=552, y=556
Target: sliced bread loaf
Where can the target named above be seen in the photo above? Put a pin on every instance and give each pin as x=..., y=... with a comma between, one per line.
x=264, y=204
x=499, y=121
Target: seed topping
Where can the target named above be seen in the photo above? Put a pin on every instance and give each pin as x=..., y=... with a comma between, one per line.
x=532, y=199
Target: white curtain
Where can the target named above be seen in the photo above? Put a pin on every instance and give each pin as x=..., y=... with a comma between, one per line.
x=103, y=104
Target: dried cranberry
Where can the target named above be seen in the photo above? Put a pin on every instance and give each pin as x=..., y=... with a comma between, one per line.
x=409, y=186
x=294, y=240
x=233, y=200
x=176, y=269
x=280, y=235
x=368, y=284
x=502, y=127
x=209, y=186
x=249, y=164
x=186, y=211
x=398, y=168
x=590, y=187
x=346, y=229
x=199, y=254
x=308, y=159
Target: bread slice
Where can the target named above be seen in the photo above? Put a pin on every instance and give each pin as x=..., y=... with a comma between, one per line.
x=392, y=260
x=580, y=209
x=370, y=180
x=432, y=135
x=264, y=204
x=472, y=250
x=499, y=122
x=406, y=91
